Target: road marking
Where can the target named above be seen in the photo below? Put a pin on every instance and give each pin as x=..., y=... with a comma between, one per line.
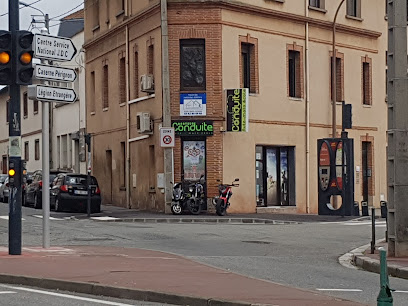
x=6, y=292
x=342, y=290
x=400, y=291
x=104, y=218
x=51, y=218
x=7, y=217
x=68, y=296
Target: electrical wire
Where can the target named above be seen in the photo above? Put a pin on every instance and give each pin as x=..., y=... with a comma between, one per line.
x=67, y=11
x=28, y=5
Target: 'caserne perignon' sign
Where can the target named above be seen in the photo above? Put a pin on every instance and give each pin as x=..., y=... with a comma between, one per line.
x=193, y=128
x=237, y=110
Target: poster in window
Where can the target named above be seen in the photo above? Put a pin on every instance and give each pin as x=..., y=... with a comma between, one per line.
x=271, y=179
x=193, y=160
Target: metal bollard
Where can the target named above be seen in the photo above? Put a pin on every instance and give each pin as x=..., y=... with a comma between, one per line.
x=364, y=208
x=384, y=298
x=372, y=230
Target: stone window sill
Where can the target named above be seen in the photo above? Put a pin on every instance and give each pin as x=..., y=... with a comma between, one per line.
x=120, y=13
x=105, y=109
x=317, y=9
x=354, y=18
x=95, y=28
x=92, y=113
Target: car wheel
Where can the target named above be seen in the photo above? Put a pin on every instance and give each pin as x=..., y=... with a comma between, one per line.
x=58, y=206
x=37, y=204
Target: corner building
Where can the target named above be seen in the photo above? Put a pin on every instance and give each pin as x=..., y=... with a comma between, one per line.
x=280, y=51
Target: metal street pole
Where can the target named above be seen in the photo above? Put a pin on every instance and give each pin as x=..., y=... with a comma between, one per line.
x=334, y=89
x=14, y=116
x=45, y=107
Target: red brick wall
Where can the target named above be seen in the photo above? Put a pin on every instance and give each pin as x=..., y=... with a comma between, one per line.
x=199, y=22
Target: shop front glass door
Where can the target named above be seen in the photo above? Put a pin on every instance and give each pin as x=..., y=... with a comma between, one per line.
x=193, y=159
x=284, y=193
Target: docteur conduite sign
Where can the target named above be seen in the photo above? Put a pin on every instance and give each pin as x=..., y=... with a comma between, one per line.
x=237, y=110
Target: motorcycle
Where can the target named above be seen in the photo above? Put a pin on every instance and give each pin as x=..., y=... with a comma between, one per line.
x=178, y=199
x=221, y=202
x=196, y=200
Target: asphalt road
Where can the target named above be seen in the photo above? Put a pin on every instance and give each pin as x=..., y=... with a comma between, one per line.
x=300, y=255
x=12, y=295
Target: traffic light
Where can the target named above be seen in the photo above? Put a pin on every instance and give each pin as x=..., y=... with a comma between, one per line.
x=24, y=61
x=5, y=57
x=12, y=172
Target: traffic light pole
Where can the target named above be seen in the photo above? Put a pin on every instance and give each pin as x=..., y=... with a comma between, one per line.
x=14, y=116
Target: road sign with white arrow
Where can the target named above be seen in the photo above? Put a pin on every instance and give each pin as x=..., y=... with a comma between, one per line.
x=51, y=94
x=52, y=73
x=53, y=47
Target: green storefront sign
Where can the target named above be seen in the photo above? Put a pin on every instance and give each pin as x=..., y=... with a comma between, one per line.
x=237, y=110
x=193, y=128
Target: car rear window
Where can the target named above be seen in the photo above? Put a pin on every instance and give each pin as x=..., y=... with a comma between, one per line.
x=80, y=180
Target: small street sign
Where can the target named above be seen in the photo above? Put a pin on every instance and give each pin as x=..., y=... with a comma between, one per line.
x=51, y=73
x=51, y=94
x=53, y=47
x=167, y=137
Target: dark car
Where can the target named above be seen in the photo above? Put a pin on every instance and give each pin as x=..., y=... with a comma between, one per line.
x=70, y=192
x=33, y=188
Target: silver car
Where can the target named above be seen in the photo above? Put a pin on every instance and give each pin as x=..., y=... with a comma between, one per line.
x=4, y=190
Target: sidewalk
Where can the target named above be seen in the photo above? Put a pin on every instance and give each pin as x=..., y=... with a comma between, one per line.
x=362, y=257
x=147, y=276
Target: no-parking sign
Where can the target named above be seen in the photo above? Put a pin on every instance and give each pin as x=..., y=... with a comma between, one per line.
x=167, y=137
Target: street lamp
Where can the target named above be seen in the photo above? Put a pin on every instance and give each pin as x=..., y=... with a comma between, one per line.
x=46, y=18
x=334, y=89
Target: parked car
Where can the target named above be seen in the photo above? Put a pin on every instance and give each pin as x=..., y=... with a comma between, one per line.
x=70, y=192
x=33, y=189
x=4, y=190
x=2, y=178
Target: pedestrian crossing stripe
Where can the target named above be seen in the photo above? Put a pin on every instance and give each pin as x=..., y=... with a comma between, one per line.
x=107, y=218
x=51, y=218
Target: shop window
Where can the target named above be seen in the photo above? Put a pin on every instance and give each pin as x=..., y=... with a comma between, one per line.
x=354, y=8
x=275, y=176
x=192, y=64
x=194, y=159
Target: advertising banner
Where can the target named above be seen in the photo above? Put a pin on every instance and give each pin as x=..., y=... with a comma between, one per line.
x=193, y=128
x=237, y=110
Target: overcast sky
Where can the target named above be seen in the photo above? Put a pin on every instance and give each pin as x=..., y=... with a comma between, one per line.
x=53, y=8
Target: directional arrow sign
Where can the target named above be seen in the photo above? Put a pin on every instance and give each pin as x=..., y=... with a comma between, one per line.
x=52, y=94
x=52, y=73
x=53, y=47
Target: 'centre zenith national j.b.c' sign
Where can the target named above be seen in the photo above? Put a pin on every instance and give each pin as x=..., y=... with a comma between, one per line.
x=53, y=47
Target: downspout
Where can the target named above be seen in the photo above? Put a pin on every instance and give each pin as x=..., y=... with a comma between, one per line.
x=127, y=144
x=307, y=98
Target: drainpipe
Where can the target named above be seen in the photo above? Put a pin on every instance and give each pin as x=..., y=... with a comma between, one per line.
x=127, y=144
x=168, y=160
x=307, y=98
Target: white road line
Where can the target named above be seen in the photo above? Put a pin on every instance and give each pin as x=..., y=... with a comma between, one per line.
x=342, y=290
x=6, y=292
x=104, y=218
x=51, y=218
x=400, y=291
x=7, y=217
x=68, y=296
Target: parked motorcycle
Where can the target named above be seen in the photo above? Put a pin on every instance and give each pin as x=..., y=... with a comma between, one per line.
x=221, y=202
x=178, y=199
x=196, y=200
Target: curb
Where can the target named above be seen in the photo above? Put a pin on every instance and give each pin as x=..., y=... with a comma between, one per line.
x=373, y=265
x=201, y=220
x=116, y=292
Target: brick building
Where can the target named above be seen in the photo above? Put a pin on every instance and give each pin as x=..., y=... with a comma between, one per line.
x=280, y=51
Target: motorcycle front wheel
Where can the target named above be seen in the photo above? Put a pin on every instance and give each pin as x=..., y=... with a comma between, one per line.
x=194, y=205
x=176, y=209
x=220, y=208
